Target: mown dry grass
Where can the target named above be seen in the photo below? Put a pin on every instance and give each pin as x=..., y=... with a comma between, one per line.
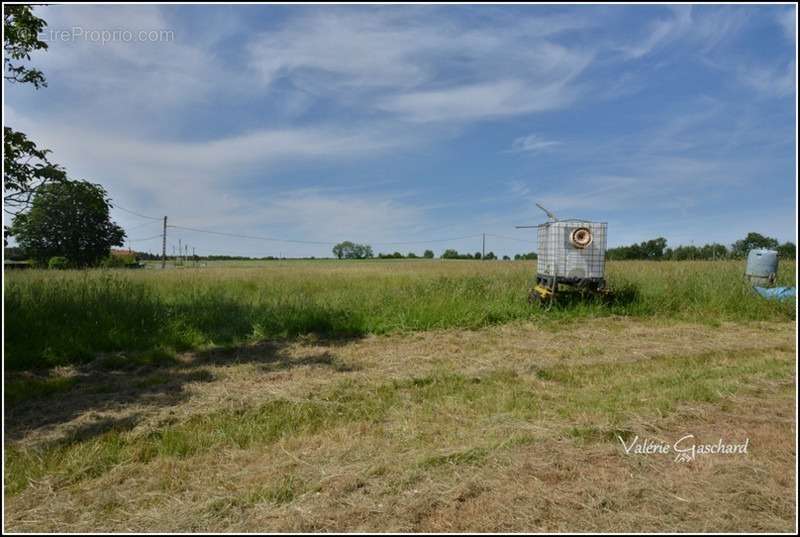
x=506, y=428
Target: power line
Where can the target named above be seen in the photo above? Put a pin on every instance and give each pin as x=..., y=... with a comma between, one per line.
x=117, y=206
x=252, y=237
x=139, y=226
x=510, y=238
x=146, y=238
x=297, y=241
x=273, y=239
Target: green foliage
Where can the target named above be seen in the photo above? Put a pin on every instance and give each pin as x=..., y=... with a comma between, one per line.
x=653, y=249
x=428, y=254
x=70, y=219
x=787, y=250
x=24, y=388
x=740, y=248
x=58, y=263
x=453, y=254
x=119, y=261
x=14, y=253
x=26, y=169
x=657, y=249
x=21, y=30
x=25, y=166
x=528, y=256
x=351, y=250
x=691, y=252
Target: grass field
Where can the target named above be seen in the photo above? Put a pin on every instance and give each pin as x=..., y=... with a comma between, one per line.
x=394, y=396
x=67, y=317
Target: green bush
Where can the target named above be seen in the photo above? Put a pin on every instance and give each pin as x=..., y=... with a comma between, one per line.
x=58, y=263
x=118, y=261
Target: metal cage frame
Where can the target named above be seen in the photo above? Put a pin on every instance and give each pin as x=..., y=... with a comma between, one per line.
x=560, y=261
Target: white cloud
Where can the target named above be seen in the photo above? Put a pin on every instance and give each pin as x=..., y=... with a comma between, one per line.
x=360, y=83
x=661, y=32
x=145, y=74
x=533, y=143
x=198, y=184
x=701, y=32
x=770, y=80
x=480, y=101
x=423, y=67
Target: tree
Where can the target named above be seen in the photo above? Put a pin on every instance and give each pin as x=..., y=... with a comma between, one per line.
x=21, y=29
x=477, y=255
x=364, y=251
x=428, y=254
x=787, y=250
x=654, y=248
x=351, y=250
x=490, y=255
x=752, y=241
x=450, y=254
x=26, y=167
x=713, y=251
x=69, y=219
x=343, y=247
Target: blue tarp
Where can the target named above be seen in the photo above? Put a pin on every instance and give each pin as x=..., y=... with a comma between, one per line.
x=776, y=293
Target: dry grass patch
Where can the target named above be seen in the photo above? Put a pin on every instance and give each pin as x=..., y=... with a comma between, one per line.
x=510, y=428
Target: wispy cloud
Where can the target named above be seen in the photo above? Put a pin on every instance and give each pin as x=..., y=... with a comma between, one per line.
x=412, y=59
x=198, y=182
x=770, y=80
x=273, y=121
x=660, y=32
x=533, y=143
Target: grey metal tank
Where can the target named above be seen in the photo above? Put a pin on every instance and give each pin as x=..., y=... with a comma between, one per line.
x=762, y=267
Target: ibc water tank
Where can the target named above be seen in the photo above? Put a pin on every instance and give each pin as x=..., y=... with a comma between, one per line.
x=762, y=267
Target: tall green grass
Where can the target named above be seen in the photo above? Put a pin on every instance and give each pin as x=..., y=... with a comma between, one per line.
x=54, y=318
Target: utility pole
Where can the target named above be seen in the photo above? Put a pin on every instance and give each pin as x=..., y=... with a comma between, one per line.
x=483, y=248
x=194, y=257
x=180, y=251
x=164, y=245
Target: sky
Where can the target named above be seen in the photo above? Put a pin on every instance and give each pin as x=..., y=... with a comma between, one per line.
x=416, y=127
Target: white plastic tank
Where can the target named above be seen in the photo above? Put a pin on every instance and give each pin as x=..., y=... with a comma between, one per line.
x=572, y=249
x=762, y=267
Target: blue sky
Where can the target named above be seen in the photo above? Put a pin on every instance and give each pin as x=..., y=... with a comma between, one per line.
x=396, y=124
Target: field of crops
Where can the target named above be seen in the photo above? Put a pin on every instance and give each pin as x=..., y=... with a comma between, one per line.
x=394, y=395
x=55, y=318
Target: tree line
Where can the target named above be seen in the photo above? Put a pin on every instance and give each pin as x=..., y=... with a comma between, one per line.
x=657, y=249
x=351, y=250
